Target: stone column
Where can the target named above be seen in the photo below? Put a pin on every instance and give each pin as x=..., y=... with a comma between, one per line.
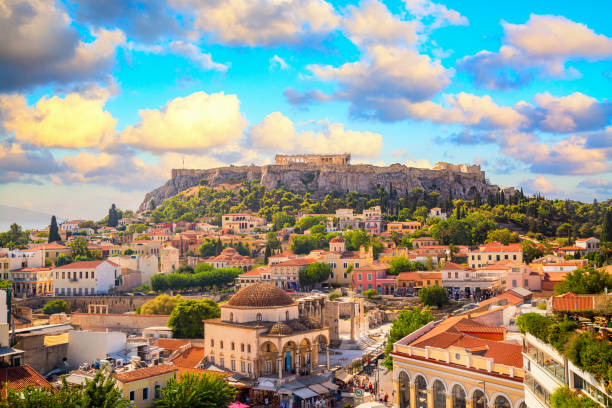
x=327, y=356
x=280, y=368
x=449, y=401
x=412, y=396
x=430, y=398
x=396, y=397
x=469, y=403
x=298, y=363
x=314, y=356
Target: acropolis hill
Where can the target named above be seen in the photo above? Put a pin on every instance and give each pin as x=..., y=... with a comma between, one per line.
x=323, y=174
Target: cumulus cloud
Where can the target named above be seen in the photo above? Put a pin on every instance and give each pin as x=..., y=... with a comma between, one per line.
x=261, y=22
x=302, y=99
x=278, y=133
x=193, y=123
x=539, y=184
x=25, y=163
x=144, y=21
x=192, y=52
x=597, y=185
x=436, y=14
x=372, y=22
x=541, y=46
x=77, y=120
x=385, y=73
x=277, y=62
x=44, y=47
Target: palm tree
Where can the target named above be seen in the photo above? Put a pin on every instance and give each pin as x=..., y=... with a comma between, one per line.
x=197, y=390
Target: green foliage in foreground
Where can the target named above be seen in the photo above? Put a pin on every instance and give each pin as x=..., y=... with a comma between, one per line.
x=186, y=318
x=407, y=322
x=563, y=397
x=585, y=281
x=56, y=306
x=193, y=390
x=206, y=278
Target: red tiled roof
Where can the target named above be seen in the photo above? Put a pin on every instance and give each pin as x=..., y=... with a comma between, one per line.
x=571, y=302
x=86, y=264
x=451, y=266
x=512, y=299
x=337, y=239
x=33, y=269
x=295, y=262
x=171, y=344
x=497, y=247
x=571, y=248
x=190, y=358
x=254, y=272
x=585, y=239
x=142, y=373
x=21, y=377
x=50, y=245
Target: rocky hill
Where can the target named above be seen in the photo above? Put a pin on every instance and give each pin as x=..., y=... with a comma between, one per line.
x=459, y=180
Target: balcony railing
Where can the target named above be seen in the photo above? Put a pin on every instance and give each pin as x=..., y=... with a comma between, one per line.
x=540, y=393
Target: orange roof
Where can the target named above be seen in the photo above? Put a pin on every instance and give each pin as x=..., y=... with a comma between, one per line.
x=585, y=239
x=147, y=372
x=33, y=269
x=254, y=272
x=190, y=358
x=497, y=247
x=571, y=301
x=451, y=266
x=561, y=264
x=171, y=344
x=50, y=245
x=21, y=377
x=571, y=248
x=512, y=299
x=86, y=264
x=337, y=239
x=285, y=254
x=296, y=262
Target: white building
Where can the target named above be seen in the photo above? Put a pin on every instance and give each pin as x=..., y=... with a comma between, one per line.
x=87, y=347
x=71, y=226
x=85, y=278
x=437, y=212
x=169, y=259
x=546, y=370
x=147, y=265
x=22, y=259
x=590, y=244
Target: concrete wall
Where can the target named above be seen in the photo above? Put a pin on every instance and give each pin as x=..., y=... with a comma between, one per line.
x=42, y=358
x=126, y=323
x=116, y=304
x=86, y=346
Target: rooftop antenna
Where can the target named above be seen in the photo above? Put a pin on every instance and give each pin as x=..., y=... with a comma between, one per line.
x=183, y=162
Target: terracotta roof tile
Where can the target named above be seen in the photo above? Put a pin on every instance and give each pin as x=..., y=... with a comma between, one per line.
x=142, y=373
x=571, y=302
x=21, y=377
x=171, y=344
x=190, y=358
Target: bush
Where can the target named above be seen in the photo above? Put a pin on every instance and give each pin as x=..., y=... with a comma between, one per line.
x=591, y=354
x=314, y=273
x=335, y=295
x=56, y=306
x=542, y=306
x=535, y=324
x=407, y=322
x=563, y=397
x=161, y=305
x=370, y=293
x=186, y=318
x=433, y=296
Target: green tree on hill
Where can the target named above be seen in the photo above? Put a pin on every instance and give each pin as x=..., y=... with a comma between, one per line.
x=433, y=296
x=314, y=273
x=407, y=322
x=186, y=318
x=53, y=231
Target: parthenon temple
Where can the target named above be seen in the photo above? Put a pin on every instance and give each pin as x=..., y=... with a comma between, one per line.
x=319, y=159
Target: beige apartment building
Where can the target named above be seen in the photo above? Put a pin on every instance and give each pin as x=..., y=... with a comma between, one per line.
x=241, y=223
x=494, y=252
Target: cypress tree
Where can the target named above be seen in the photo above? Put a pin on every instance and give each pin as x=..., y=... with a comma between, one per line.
x=606, y=227
x=53, y=231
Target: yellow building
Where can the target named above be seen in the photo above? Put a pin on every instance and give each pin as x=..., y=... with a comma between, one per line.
x=145, y=247
x=143, y=386
x=458, y=363
x=32, y=281
x=340, y=260
x=53, y=250
x=407, y=227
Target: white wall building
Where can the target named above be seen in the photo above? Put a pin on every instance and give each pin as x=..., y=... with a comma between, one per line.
x=87, y=347
x=22, y=259
x=590, y=244
x=148, y=265
x=85, y=278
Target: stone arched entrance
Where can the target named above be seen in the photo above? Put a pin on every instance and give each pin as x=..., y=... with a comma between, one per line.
x=268, y=360
x=439, y=394
x=420, y=391
x=289, y=357
x=479, y=400
x=459, y=398
x=404, y=390
x=502, y=402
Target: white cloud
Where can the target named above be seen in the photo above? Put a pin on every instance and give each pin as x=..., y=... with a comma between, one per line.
x=439, y=13
x=278, y=62
x=261, y=22
x=77, y=120
x=278, y=133
x=192, y=52
x=372, y=22
x=541, y=46
x=193, y=123
x=539, y=184
x=44, y=47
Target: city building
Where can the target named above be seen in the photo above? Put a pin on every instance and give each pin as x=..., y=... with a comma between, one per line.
x=241, y=223
x=404, y=227
x=33, y=281
x=52, y=250
x=85, y=278
x=286, y=275
x=147, y=265
x=145, y=247
x=260, y=334
x=372, y=220
x=494, y=252
x=459, y=363
x=261, y=274
x=230, y=258
x=463, y=281
x=142, y=386
x=424, y=242
x=437, y=212
x=169, y=259
x=374, y=276
x=411, y=282
x=16, y=259
x=589, y=244
x=341, y=260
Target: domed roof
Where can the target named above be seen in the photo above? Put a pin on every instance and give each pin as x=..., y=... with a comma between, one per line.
x=280, y=328
x=260, y=295
x=337, y=239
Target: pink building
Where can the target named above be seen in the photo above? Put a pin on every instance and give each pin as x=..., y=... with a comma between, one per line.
x=374, y=276
x=521, y=276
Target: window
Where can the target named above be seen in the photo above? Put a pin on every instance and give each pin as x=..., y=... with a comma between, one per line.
x=222, y=362
x=259, y=317
x=242, y=366
x=287, y=315
x=145, y=393
x=505, y=256
x=356, y=264
x=359, y=276
x=345, y=265
x=233, y=346
x=456, y=275
x=86, y=291
x=80, y=274
x=231, y=317
x=92, y=274
x=268, y=366
x=345, y=275
x=212, y=342
x=514, y=283
x=157, y=391
x=86, y=274
x=63, y=275
x=220, y=343
x=212, y=359
x=242, y=348
x=56, y=275
x=526, y=283
x=248, y=348
x=132, y=395
x=249, y=368
x=369, y=276
x=233, y=365
x=449, y=274
x=514, y=257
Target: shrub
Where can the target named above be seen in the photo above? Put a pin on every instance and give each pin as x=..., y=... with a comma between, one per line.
x=542, y=306
x=563, y=397
x=433, y=296
x=370, y=293
x=535, y=324
x=335, y=295
x=56, y=306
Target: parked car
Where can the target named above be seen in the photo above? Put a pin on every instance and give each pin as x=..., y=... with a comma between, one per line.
x=315, y=291
x=290, y=291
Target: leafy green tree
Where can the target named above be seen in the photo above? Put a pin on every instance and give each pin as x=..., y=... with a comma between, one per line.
x=334, y=295
x=196, y=390
x=370, y=293
x=62, y=260
x=503, y=236
x=530, y=251
x=79, y=248
x=128, y=251
x=280, y=219
x=15, y=237
x=56, y=306
x=433, y=296
x=563, y=397
x=400, y=264
x=186, y=318
x=355, y=239
x=160, y=305
x=534, y=324
x=314, y=273
x=53, y=231
x=584, y=281
x=302, y=244
x=606, y=227
x=407, y=322
x=102, y=392
x=208, y=248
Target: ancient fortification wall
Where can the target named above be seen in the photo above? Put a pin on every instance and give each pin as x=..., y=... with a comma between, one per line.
x=460, y=180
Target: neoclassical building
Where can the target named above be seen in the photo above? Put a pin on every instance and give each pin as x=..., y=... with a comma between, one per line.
x=458, y=363
x=260, y=334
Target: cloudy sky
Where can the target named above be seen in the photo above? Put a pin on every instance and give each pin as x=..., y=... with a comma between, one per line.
x=100, y=99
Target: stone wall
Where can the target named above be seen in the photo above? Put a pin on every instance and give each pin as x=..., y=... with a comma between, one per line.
x=125, y=323
x=41, y=357
x=116, y=304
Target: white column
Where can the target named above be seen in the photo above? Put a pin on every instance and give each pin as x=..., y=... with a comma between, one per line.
x=327, y=356
x=280, y=368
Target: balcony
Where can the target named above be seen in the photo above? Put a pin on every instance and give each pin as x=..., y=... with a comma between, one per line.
x=536, y=389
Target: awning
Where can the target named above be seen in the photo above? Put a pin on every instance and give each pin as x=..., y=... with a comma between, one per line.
x=266, y=386
x=319, y=389
x=330, y=385
x=343, y=376
x=305, y=393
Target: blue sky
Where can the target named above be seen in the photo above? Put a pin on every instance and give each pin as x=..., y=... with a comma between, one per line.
x=99, y=100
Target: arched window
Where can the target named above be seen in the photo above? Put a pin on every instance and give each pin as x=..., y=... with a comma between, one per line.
x=231, y=317
x=458, y=397
x=212, y=342
x=404, y=390
x=157, y=391
x=522, y=405
x=479, y=400
x=287, y=315
x=259, y=317
x=502, y=402
x=268, y=348
x=233, y=346
x=248, y=348
x=242, y=347
x=420, y=386
x=439, y=394
x=220, y=343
